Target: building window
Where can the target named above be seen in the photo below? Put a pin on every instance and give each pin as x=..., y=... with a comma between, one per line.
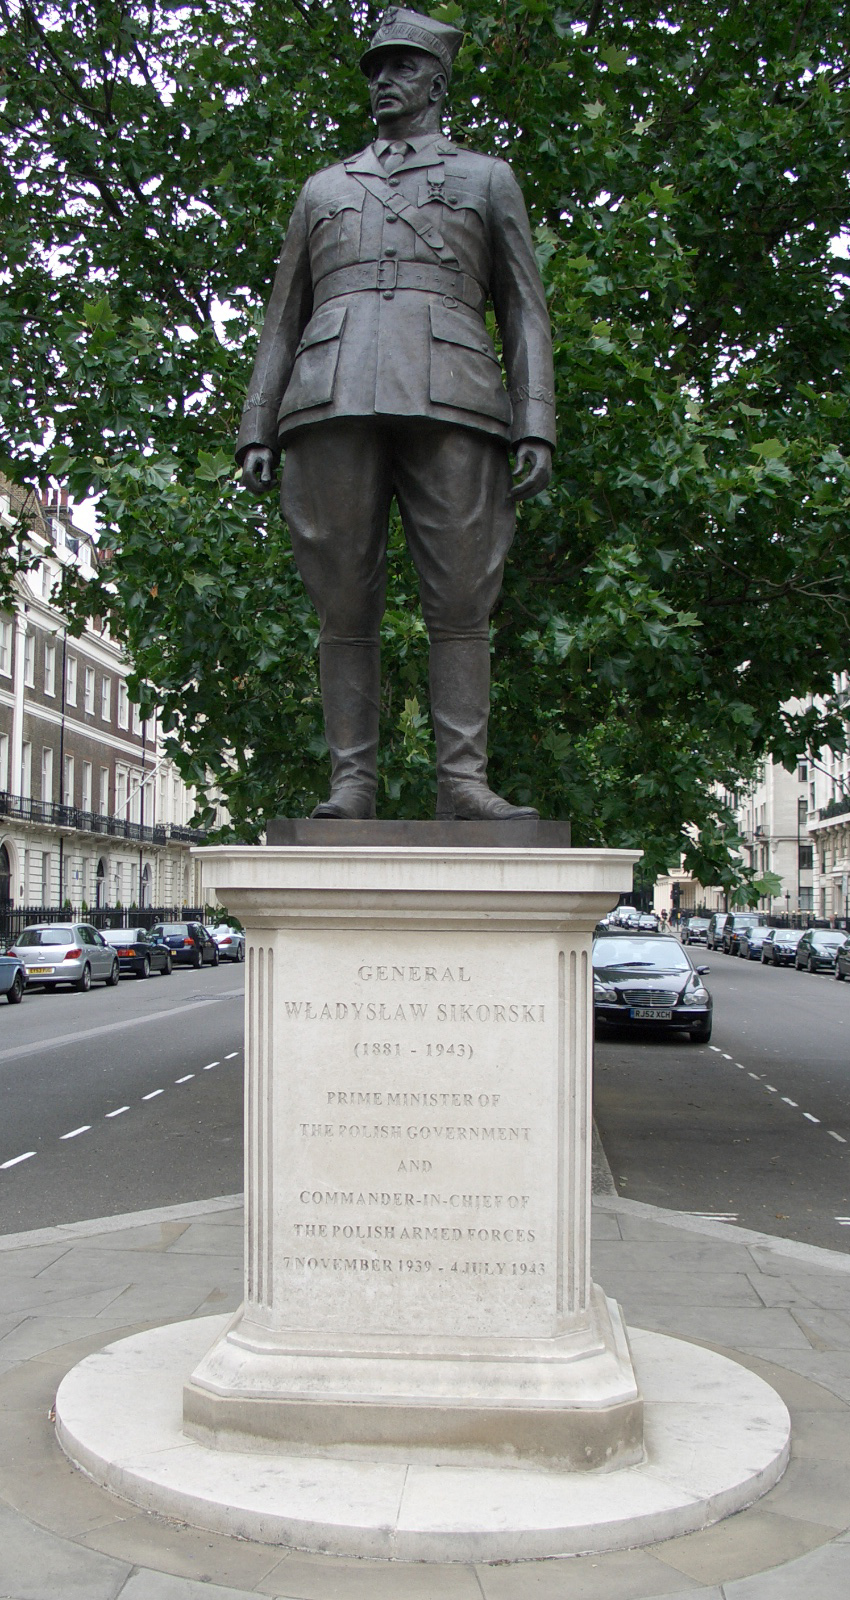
x=6, y=648
x=29, y=660
x=106, y=699
x=89, y=691
x=104, y=792
x=50, y=669
x=806, y=857
x=45, y=877
x=4, y=761
x=86, y=794
x=47, y=775
x=803, y=772
x=68, y=797
x=71, y=681
x=807, y=899
x=120, y=791
x=123, y=705
x=26, y=772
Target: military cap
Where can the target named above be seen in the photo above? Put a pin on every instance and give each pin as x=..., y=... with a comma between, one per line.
x=399, y=27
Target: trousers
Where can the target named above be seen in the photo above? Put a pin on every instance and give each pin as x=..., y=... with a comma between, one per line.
x=452, y=489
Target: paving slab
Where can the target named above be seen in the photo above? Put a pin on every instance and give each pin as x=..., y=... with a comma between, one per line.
x=305, y=1577
x=741, y=1546
x=35, y=1565
x=622, y=1575
x=823, y=1575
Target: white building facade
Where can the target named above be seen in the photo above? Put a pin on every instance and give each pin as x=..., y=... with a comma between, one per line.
x=92, y=813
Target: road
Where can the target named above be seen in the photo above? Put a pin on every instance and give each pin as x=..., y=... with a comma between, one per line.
x=121, y=1099
x=754, y=1127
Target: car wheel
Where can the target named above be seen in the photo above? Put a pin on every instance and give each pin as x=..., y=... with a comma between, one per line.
x=197, y=958
x=240, y=952
x=167, y=969
x=810, y=966
x=146, y=967
x=700, y=1035
x=114, y=975
x=838, y=973
x=83, y=983
x=216, y=957
x=16, y=994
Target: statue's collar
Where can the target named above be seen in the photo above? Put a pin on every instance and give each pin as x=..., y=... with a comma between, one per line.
x=428, y=150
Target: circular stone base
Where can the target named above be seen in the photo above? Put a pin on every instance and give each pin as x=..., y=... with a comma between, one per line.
x=717, y=1437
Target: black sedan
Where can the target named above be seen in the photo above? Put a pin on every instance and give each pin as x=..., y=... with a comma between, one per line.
x=138, y=952
x=641, y=981
x=749, y=942
x=189, y=943
x=817, y=949
x=842, y=960
x=695, y=931
x=780, y=947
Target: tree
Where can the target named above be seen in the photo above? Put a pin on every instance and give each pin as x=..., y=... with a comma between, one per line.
x=686, y=171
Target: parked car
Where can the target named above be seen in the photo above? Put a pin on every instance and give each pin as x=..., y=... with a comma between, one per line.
x=817, y=949
x=626, y=916
x=842, y=959
x=648, y=922
x=735, y=924
x=695, y=931
x=230, y=941
x=780, y=947
x=749, y=942
x=189, y=942
x=642, y=980
x=66, y=952
x=138, y=952
x=716, y=923
x=13, y=979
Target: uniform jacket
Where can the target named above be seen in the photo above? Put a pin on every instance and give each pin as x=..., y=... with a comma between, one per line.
x=379, y=298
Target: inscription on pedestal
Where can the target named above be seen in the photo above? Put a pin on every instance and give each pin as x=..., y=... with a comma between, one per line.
x=417, y=1161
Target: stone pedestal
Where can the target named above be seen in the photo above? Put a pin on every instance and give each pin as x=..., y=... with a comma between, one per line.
x=419, y=1025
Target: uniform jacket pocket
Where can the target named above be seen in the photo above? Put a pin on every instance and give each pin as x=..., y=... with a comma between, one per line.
x=465, y=371
x=316, y=361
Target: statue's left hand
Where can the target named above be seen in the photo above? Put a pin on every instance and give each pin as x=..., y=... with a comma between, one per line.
x=533, y=468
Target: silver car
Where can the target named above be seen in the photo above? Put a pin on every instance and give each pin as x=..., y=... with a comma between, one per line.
x=66, y=952
x=230, y=941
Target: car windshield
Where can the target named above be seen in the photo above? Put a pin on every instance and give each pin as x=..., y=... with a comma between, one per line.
x=660, y=955
x=31, y=936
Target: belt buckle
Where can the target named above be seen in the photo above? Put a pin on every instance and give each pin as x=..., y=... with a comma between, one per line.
x=387, y=275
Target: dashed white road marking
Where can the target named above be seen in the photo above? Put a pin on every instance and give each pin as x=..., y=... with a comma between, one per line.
x=186, y=1079
x=153, y=1094
x=809, y=1118
x=210, y=1064
x=119, y=1112
x=770, y=1089
x=843, y=1222
x=86, y=1128
x=752, y=1075
x=232, y=1056
x=788, y=1102
x=836, y=1136
x=16, y=1159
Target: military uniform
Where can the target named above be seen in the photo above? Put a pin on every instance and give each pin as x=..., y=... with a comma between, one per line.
x=376, y=372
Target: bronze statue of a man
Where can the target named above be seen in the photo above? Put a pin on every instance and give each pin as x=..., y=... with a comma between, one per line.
x=376, y=375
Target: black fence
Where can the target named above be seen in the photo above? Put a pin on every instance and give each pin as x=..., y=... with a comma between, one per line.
x=13, y=919
x=20, y=808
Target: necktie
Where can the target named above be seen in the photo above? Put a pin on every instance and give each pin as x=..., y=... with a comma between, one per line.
x=394, y=154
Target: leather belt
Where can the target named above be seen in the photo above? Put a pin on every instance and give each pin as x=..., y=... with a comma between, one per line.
x=387, y=276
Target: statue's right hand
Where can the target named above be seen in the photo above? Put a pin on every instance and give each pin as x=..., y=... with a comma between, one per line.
x=258, y=470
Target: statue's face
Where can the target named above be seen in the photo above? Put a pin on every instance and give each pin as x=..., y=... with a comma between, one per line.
x=403, y=82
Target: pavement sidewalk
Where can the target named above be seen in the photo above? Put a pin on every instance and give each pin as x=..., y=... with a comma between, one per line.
x=781, y=1308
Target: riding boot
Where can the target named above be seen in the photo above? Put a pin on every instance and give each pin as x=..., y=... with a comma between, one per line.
x=460, y=708
x=350, y=677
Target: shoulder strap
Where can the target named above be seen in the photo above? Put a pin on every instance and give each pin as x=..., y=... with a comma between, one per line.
x=392, y=201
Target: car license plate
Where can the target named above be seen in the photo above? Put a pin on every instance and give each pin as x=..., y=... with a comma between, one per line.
x=651, y=1013
x=40, y=969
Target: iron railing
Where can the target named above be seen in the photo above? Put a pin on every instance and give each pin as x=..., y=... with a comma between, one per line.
x=20, y=808
x=13, y=919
